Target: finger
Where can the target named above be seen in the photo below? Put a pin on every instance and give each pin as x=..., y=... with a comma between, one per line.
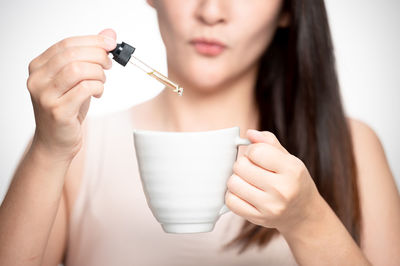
x=101, y=41
x=77, y=96
x=74, y=73
x=257, y=177
x=268, y=157
x=252, y=173
x=240, y=206
x=251, y=194
x=93, y=55
x=256, y=136
x=108, y=33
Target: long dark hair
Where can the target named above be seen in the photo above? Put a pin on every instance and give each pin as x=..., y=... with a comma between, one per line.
x=298, y=99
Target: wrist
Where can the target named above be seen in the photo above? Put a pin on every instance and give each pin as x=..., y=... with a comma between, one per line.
x=41, y=152
x=322, y=237
x=315, y=215
x=44, y=150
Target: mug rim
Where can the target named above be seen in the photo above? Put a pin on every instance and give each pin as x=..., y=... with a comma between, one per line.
x=156, y=132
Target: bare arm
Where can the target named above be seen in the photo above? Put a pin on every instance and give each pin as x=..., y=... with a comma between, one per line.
x=57, y=243
x=54, y=252
x=61, y=83
x=326, y=238
x=30, y=207
x=379, y=197
x=323, y=239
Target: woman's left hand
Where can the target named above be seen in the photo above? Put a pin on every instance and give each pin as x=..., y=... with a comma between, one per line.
x=269, y=186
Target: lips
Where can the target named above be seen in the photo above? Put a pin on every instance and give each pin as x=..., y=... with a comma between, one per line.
x=208, y=47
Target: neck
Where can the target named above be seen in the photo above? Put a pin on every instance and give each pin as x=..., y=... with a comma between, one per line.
x=232, y=104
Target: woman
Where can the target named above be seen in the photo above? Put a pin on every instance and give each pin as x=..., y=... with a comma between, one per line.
x=314, y=187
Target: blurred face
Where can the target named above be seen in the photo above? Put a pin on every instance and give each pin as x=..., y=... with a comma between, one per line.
x=210, y=43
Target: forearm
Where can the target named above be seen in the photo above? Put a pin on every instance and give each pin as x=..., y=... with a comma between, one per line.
x=29, y=208
x=323, y=239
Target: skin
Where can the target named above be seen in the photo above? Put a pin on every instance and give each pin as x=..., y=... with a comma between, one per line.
x=61, y=82
x=269, y=187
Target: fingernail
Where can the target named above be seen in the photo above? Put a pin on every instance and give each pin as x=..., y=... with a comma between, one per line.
x=253, y=131
x=110, y=42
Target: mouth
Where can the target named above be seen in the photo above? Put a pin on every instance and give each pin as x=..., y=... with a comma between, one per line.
x=208, y=47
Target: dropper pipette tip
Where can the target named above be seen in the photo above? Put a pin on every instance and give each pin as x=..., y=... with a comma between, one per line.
x=179, y=90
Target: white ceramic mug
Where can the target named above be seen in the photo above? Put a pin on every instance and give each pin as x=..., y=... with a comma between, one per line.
x=184, y=175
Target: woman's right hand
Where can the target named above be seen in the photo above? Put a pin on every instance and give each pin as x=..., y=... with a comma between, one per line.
x=61, y=82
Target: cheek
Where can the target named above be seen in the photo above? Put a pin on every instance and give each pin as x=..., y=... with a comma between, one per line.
x=175, y=22
x=255, y=36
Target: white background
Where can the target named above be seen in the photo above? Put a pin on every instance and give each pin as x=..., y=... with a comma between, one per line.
x=366, y=37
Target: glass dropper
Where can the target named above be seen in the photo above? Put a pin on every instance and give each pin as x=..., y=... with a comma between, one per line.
x=157, y=75
x=123, y=54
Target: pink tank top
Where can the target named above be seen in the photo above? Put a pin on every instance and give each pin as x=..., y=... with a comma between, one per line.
x=111, y=223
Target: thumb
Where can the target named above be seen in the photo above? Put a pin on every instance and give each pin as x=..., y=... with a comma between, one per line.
x=256, y=136
x=110, y=33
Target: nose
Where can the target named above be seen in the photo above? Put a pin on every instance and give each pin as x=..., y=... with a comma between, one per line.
x=212, y=12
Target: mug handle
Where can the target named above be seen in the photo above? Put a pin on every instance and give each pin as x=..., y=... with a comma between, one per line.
x=238, y=141
x=242, y=141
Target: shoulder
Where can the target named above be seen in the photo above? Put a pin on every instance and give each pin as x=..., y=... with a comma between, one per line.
x=378, y=194
x=369, y=154
x=360, y=129
x=366, y=143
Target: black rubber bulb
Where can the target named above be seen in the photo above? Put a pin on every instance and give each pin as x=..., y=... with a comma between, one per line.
x=122, y=53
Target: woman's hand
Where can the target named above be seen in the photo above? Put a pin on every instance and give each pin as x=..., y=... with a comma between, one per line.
x=269, y=186
x=61, y=82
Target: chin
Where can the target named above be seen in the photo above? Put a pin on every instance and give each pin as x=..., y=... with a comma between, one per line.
x=205, y=84
x=205, y=79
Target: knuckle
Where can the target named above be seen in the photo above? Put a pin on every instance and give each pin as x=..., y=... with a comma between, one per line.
x=30, y=83
x=58, y=60
x=255, y=150
x=271, y=137
x=44, y=102
x=32, y=66
x=239, y=164
x=57, y=114
x=228, y=199
x=101, y=73
x=85, y=85
x=93, y=88
x=75, y=68
x=236, y=167
x=290, y=194
x=297, y=165
x=278, y=210
x=100, y=90
x=70, y=53
x=231, y=183
x=63, y=44
x=252, y=151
